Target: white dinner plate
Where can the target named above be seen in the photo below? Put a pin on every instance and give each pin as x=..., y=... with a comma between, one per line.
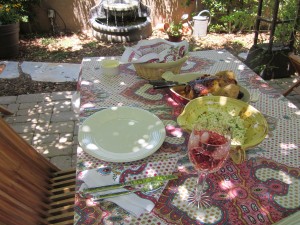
x=121, y=134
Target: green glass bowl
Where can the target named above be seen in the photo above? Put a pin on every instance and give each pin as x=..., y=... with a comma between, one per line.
x=255, y=123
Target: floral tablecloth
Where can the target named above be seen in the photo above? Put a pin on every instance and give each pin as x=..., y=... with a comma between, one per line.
x=262, y=190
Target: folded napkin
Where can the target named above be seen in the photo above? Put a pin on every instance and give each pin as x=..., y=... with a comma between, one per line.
x=132, y=203
x=155, y=51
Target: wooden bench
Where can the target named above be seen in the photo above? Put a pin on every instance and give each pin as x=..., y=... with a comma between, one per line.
x=32, y=189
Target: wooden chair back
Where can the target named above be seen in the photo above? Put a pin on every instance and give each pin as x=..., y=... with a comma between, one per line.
x=295, y=62
x=5, y=111
x=32, y=190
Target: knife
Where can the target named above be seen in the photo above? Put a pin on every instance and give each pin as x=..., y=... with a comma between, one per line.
x=147, y=189
x=130, y=183
x=168, y=85
x=159, y=84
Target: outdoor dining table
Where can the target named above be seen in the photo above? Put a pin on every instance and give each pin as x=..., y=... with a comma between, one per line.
x=264, y=189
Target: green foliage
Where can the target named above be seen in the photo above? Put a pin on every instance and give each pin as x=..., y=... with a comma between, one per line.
x=9, y=14
x=48, y=41
x=240, y=16
x=238, y=43
x=239, y=21
x=231, y=16
x=217, y=28
x=286, y=11
x=92, y=44
x=187, y=3
x=12, y=11
x=174, y=29
x=60, y=55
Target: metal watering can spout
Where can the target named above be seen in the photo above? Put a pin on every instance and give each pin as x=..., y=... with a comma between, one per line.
x=201, y=23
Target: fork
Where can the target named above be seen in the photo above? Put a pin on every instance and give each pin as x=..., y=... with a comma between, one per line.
x=148, y=189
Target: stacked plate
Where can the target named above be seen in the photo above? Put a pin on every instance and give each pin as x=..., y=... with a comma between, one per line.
x=121, y=134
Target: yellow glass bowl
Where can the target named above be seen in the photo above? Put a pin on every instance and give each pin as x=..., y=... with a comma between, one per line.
x=255, y=123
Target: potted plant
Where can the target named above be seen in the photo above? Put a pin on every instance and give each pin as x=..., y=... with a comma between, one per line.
x=9, y=30
x=174, y=31
x=11, y=13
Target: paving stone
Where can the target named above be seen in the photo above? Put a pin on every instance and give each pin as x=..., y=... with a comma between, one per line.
x=10, y=119
x=64, y=116
x=34, y=98
x=44, y=118
x=64, y=95
x=42, y=128
x=45, y=107
x=13, y=107
x=65, y=137
x=28, y=137
x=25, y=118
x=54, y=140
x=61, y=127
x=75, y=140
x=27, y=111
x=64, y=162
x=28, y=105
x=46, y=104
x=56, y=149
x=51, y=72
x=11, y=70
x=40, y=139
x=8, y=99
x=76, y=128
x=44, y=149
x=75, y=147
x=61, y=106
x=23, y=127
x=76, y=101
x=74, y=160
x=5, y=106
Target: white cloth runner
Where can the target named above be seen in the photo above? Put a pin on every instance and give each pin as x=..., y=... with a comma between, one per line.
x=155, y=51
x=132, y=203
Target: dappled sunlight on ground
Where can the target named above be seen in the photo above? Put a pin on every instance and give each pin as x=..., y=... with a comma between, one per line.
x=73, y=47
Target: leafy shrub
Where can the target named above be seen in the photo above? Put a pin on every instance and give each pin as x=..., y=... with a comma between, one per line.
x=23, y=11
x=9, y=14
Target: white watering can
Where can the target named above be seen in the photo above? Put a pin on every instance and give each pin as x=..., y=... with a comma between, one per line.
x=201, y=23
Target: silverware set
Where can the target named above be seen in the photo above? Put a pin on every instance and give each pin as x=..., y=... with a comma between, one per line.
x=151, y=184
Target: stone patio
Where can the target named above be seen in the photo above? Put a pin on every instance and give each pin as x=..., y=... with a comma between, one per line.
x=48, y=122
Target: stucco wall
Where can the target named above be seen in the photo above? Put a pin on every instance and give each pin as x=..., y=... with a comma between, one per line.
x=69, y=14
x=166, y=10
x=72, y=15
